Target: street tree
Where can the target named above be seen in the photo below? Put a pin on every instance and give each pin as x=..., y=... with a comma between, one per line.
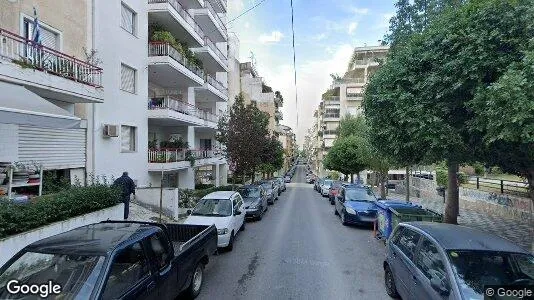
x=240, y=132
x=348, y=155
x=271, y=156
x=417, y=103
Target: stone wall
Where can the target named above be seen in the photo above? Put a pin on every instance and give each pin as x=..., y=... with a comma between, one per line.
x=502, y=205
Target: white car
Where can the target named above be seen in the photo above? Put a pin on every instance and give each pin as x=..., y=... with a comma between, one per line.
x=325, y=187
x=225, y=209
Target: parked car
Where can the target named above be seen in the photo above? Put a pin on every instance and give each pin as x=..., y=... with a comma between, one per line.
x=277, y=185
x=427, y=260
x=272, y=195
x=282, y=182
x=317, y=184
x=287, y=179
x=356, y=205
x=255, y=200
x=333, y=191
x=325, y=186
x=115, y=260
x=226, y=210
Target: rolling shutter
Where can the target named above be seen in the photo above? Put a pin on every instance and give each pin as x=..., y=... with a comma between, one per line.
x=127, y=79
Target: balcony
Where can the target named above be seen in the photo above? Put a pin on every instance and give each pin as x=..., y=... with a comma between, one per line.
x=179, y=159
x=212, y=91
x=60, y=76
x=332, y=103
x=211, y=23
x=212, y=57
x=173, y=17
x=220, y=6
x=170, y=111
x=170, y=69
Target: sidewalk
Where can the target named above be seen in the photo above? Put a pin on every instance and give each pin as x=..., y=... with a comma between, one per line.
x=521, y=233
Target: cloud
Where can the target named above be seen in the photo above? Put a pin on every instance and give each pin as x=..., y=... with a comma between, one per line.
x=352, y=27
x=274, y=37
x=319, y=37
x=235, y=7
x=359, y=11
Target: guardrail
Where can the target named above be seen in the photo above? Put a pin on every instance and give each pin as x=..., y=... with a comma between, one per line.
x=30, y=54
x=182, y=12
x=166, y=49
x=518, y=188
x=216, y=84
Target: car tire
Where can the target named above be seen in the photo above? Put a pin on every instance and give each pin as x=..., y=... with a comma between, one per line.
x=242, y=228
x=230, y=246
x=389, y=282
x=196, y=281
x=343, y=221
x=335, y=212
x=260, y=216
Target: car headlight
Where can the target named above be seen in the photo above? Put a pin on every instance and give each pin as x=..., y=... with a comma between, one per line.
x=350, y=210
x=222, y=231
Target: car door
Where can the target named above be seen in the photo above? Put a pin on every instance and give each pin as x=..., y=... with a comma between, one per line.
x=234, y=218
x=430, y=267
x=130, y=275
x=402, y=265
x=161, y=256
x=241, y=208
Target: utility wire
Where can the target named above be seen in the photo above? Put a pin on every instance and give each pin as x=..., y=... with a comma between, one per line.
x=295, y=64
x=246, y=11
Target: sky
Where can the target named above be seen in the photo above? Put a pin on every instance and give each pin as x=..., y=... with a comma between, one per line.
x=326, y=32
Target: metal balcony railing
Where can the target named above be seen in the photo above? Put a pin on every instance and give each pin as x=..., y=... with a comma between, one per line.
x=166, y=49
x=179, y=155
x=331, y=98
x=208, y=43
x=25, y=52
x=216, y=84
x=182, y=12
x=331, y=102
x=216, y=16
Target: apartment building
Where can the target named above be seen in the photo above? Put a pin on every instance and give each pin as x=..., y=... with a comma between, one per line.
x=46, y=85
x=288, y=140
x=344, y=97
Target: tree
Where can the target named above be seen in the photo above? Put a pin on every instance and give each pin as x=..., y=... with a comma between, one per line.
x=348, y=155
x=240, y=132
x=272, y=156
x=505, y=118
x=417, y=103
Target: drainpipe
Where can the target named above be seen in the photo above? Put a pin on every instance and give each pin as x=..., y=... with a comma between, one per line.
x=93, y=105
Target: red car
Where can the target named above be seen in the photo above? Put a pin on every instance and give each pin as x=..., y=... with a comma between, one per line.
x=333, y=191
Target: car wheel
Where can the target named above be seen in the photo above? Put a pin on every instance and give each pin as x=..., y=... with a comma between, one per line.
x=230, y=246
x=260, y=216
x=331, y=201
x=335, y=212
x=242, y=228
x=196, y=281
x=389, y=281
x=343, y=221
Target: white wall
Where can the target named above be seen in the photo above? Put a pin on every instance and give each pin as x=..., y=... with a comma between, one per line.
x=115, y=46
x=9, y=142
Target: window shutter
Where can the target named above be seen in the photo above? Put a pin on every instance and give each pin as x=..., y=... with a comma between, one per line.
x=125, y=138
x=127, y=19
x=49, y=39
x=127, y=79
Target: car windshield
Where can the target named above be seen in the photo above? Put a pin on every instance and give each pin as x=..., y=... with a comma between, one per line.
x=327, y=183
x=249, y=192
x=213, y=207
x=364, y=195
x=76, y=274
x=475, y=269
x=267, y=186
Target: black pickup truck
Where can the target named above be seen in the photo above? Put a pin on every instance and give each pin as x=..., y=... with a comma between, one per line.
x=112, y=260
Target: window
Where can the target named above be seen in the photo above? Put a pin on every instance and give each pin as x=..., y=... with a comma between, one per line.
x=128, y=134
x=429, y=261
x=408, y=241
x=128, y=19
x=161, y=252
x=128, y=79
x=49, y=38
x=127, y=269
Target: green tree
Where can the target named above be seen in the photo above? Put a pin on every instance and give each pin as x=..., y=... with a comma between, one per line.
x=348, y=155
x=272, y=156
x=417, y=103
x=240, y=132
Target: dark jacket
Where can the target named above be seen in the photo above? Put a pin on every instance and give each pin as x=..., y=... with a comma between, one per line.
x=126, y=183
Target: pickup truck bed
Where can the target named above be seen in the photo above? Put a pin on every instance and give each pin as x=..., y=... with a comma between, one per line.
x=183, y=236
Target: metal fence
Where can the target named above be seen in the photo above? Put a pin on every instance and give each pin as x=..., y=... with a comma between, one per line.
x=519, y=188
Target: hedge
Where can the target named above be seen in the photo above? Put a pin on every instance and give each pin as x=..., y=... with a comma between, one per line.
x=47, y=209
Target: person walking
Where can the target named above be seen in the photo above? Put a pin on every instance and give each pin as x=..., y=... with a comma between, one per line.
x=127, y=186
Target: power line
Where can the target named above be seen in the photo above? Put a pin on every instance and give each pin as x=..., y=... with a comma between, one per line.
x=295, y=64
x=246, y=11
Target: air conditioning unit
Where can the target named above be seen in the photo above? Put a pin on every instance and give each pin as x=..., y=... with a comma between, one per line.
x=111, y=130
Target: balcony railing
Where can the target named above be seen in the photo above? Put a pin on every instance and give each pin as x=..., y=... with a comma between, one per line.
x=331, y=116
x=166, y=49
x=330, y=132
x=331, y=98
x=169, y=102
x=214, y=48
x=179, y=155
x=331, y=102
x=182, y=12
x=216, y=84
x=29, y=54
x=216, y=16
x=222, y=3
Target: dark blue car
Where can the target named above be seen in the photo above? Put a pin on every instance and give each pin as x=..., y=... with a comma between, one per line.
x=356, y=205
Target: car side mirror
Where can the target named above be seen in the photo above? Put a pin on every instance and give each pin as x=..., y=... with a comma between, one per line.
x=439, y=286
x=237, y=212
x=189, y=211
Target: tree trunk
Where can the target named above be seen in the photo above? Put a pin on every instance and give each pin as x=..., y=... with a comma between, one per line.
x=452, y=204
x=382, y=187
x=407, y=184
x=351, y=178
x=253, y=175
x=244, y=178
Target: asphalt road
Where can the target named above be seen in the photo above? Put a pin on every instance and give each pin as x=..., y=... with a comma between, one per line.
x=299, y=250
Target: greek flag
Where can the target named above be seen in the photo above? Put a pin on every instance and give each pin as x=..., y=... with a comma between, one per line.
x=36, y=34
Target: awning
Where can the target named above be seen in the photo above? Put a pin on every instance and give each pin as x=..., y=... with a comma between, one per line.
x=20, y=106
